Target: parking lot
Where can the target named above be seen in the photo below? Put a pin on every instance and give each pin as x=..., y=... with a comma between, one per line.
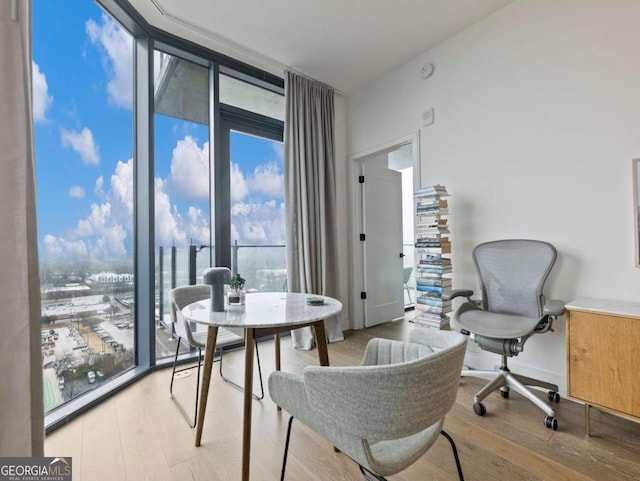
x=115, y=335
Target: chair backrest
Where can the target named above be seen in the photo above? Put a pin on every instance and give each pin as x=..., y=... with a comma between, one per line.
x=410, y=387
x=512, y=274
x=182, y=296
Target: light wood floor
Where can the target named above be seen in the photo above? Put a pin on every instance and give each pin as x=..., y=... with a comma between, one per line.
x=140, y=435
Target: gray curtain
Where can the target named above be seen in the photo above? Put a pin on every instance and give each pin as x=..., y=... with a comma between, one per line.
x=310, y=197
x=21, y=416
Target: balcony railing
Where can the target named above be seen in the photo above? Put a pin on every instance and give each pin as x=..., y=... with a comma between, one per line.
x=262, y=266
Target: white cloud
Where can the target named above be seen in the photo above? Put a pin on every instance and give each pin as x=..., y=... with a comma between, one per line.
x=167, y=218
x=198, y=226
x=41, y=98
x=172, y=228
x=103, y=232
x=107, y=231
x=258, y=223
x=77, y=192
x=95, y=222
x=189, y=175
x=268, y=179
x=83, y=143
x=62, y=249
x=239, y=187
x=122, y=186
x=117, y=47
x=278, y=149
x=98, y=189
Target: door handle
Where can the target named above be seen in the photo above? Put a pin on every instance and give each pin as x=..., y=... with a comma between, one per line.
x=401, y=255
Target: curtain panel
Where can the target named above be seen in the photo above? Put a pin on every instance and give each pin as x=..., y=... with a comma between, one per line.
x=21, y=416
x=310, y=197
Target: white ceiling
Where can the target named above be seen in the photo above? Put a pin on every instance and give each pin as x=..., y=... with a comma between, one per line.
x=343, y=43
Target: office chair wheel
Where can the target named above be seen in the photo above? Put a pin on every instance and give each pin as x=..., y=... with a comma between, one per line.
x=554, y=397
x=505, y=393
x=551, y=422
x=479, y=409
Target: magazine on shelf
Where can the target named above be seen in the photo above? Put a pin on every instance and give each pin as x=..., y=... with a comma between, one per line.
x=420, y=308
x=436, y=213
x=434, y=324
x=431, y=190
x=436, y=250
x=433, y=281
x=433, y=301
x=434, y=204
x=435, y=289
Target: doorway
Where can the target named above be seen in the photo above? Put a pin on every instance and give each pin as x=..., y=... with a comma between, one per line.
x=383, y=274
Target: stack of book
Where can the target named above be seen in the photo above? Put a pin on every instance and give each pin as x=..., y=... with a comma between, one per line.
x=431, y=190
x=433, y=249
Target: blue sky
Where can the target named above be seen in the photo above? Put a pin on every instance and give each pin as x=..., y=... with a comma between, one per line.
x=83, y=138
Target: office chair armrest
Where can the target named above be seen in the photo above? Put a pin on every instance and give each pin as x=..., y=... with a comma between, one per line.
x=553, y=307
x=458, y=293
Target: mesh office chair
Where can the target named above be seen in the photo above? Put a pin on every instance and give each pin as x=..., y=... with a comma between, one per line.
x=512, y=275
x=386, y=413
x=180, y=297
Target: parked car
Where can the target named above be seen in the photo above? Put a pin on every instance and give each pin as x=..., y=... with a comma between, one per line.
x=91, y=376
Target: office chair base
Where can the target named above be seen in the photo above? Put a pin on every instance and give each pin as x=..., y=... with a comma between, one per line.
x=551, y=422
x=504, y=380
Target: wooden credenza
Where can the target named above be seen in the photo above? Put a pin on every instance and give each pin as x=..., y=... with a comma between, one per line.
x=603, y=356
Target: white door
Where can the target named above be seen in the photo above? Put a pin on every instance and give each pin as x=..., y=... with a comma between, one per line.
x=382, y=227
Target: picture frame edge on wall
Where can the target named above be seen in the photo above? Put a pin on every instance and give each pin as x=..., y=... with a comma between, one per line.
x=636, y=209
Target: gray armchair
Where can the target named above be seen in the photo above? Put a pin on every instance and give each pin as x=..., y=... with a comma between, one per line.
x=385, y=413
x=180, y=297
x=513, y=308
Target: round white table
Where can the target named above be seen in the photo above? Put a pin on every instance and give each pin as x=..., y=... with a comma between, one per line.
x=264, y=314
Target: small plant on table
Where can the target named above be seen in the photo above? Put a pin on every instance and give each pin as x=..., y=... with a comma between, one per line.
x=235, y=295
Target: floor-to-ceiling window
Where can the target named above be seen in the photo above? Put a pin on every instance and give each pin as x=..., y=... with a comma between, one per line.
x=251, y=136
x=130, y=183
x=182, y=180
x=256, y=205
x=83, y=93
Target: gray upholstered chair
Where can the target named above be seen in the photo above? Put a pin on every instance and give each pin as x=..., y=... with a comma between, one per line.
x=180, y=297
x=385, y=413
x=512, y=275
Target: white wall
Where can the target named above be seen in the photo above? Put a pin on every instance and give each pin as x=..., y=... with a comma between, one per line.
x=537, y=118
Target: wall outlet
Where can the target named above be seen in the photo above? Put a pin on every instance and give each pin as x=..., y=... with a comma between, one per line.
x=427, y=117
